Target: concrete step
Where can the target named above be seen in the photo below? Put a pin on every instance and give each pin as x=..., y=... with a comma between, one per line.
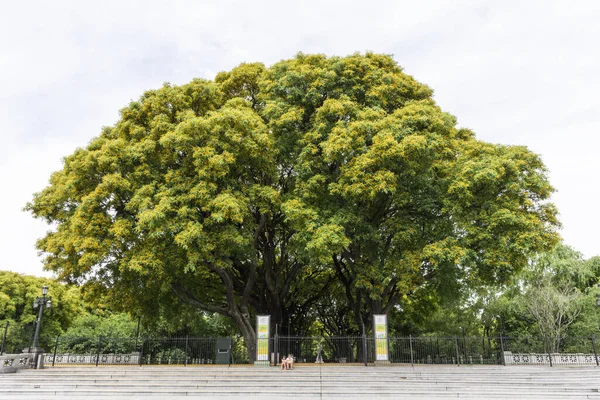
x=298, y=380
x=293, y=376
x=297, y=372
x=318, y=394
x=248, y=382
x=313, y=387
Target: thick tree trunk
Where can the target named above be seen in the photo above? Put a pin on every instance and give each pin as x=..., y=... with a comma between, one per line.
x=243, y=323
x=234, y=310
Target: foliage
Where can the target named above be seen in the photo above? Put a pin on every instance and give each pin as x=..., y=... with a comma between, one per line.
x=268, y=188
x=17, y=293
x=554, y=296
x=91, y=326
x=391, y=193
x=84, y=335
x=191, y=323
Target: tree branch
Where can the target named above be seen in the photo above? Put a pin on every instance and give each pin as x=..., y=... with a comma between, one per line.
x=187, y=297
x=227, y=281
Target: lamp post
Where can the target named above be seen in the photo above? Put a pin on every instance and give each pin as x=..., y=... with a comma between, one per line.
x=498, y=317
x=598, y=299
x=41, y=302
x=593, y=339
x=4, y=339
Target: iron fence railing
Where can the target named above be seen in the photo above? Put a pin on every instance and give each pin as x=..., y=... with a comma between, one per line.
x=146, y=351
x=494, y=350
x=16, y=338
x=346, y=350
x=446, y=350
x=332, y=349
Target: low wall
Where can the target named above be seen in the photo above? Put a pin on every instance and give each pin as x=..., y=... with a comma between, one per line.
x=511, y=358
x=105, y=359
x=12, y=362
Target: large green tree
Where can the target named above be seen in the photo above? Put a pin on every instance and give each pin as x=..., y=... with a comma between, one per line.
x=268, y=188
x=390, y=192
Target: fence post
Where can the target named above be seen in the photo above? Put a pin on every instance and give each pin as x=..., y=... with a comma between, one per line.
x=456, y=348
x=31, y=337
x=595, y=351
x=502, y=349
x=186, y=351
x=4, y=339
x=137, y=331
x=276, y=348
x=141, y=351
x=364, y=340
x=55, y=349
x=98, y=351
x=548, y=349
x=412, y=360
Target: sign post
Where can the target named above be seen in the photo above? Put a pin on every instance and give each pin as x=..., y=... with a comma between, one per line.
x=262, y=340
x=381, y=339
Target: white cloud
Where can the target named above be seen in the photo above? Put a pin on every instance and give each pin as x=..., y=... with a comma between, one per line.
x=515, y=72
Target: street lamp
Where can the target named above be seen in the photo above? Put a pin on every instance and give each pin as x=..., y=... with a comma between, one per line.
x=41, y=302
x=498, y=317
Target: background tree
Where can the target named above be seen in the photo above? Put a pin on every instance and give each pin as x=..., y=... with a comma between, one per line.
x=554, y=296
x=17, y=293
x=255, y=192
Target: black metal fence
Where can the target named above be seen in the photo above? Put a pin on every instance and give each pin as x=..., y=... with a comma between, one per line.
x=146, y=351
x=494, y=350
x=350, y=350
x=317, y=350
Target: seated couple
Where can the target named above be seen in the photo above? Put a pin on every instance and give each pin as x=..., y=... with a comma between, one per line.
x=287, y=363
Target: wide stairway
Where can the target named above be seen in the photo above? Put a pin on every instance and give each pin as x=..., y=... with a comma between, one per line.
x=309, y=382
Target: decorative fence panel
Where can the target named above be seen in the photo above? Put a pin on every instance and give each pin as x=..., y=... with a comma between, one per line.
x=544, y=351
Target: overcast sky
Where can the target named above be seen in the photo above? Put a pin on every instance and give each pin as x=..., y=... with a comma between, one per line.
x=516, y=72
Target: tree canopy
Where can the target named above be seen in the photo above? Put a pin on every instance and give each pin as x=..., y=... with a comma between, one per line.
x=316, y=186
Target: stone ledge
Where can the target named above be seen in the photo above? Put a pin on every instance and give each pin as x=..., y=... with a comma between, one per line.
x=511, y=358
x=10, y=363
